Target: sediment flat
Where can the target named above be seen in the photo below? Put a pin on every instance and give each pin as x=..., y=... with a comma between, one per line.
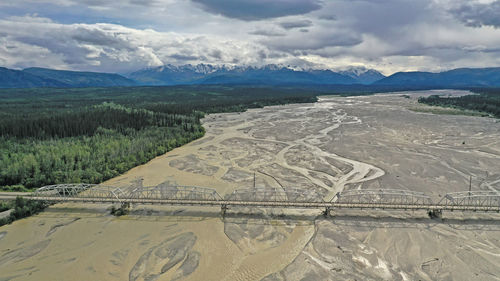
x=329, y=146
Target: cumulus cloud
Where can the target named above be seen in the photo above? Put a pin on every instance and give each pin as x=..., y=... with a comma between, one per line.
x=258, y=9
x=111, y=47
x=122, y=36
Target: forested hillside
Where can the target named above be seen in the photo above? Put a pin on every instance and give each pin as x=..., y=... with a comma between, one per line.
x=50, y=136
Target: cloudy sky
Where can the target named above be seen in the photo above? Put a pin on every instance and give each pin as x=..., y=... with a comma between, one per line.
x=127, y=35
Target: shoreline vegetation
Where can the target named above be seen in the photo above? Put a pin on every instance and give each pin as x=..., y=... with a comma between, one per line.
x=52, y=136
x=484, y=103
x=20, y=208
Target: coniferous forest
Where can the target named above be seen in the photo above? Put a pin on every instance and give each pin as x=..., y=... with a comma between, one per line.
x=486, y=101
x=50, y=136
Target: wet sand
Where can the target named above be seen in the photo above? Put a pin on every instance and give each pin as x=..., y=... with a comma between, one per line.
x=335, y=144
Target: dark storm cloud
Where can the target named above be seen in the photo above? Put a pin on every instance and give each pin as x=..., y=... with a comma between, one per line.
x=108, y=3
x=313, y=41
x=328, y=17
x=217, y=54
x=381, y=17
x=143, y=2
x=296, y=24
x=264, y=32
x=98, y=37
x=258, y=9
x=262, y=54
x=182, y=57
x=477, y=14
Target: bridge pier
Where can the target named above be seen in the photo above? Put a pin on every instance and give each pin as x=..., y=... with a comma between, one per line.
x=326, y=212
x=125, y=206
x=122, y=210
x=223, y=209
x=435, y=214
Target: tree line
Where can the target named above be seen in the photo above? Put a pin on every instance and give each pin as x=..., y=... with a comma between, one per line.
x=51, y=136
x=485, y=100
x=87, y=121
x=21, y=208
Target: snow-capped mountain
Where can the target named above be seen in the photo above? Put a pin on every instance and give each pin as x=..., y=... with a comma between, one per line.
x=271, y=74
x=362, y=74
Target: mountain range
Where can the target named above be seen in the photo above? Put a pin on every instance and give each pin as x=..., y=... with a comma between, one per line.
x=248, y=75
x=267, y=75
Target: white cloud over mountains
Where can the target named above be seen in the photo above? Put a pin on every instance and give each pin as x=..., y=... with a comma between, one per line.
x=389, y=35
x=111, y=47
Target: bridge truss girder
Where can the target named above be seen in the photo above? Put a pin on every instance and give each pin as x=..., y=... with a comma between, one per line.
x=382, y=196
x=270, y=197
x=79, y=190
x=169, y=192
x=472, y=199
x=271, y=194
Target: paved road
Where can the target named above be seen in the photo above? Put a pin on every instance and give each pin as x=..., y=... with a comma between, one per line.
x=12, y=195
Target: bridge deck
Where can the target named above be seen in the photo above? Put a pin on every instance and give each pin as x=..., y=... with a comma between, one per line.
x=275, y=204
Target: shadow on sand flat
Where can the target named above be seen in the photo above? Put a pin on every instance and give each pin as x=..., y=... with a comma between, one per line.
x=257, y=216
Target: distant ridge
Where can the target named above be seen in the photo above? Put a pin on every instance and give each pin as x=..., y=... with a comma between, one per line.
x=461, y=77
x=10, y=78
x=81, y=79
x=44, y=77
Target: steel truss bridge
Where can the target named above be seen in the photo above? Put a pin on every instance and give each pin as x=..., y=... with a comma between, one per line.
x=163, y=194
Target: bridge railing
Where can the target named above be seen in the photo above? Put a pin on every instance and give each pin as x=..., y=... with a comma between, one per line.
x=382, y=196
